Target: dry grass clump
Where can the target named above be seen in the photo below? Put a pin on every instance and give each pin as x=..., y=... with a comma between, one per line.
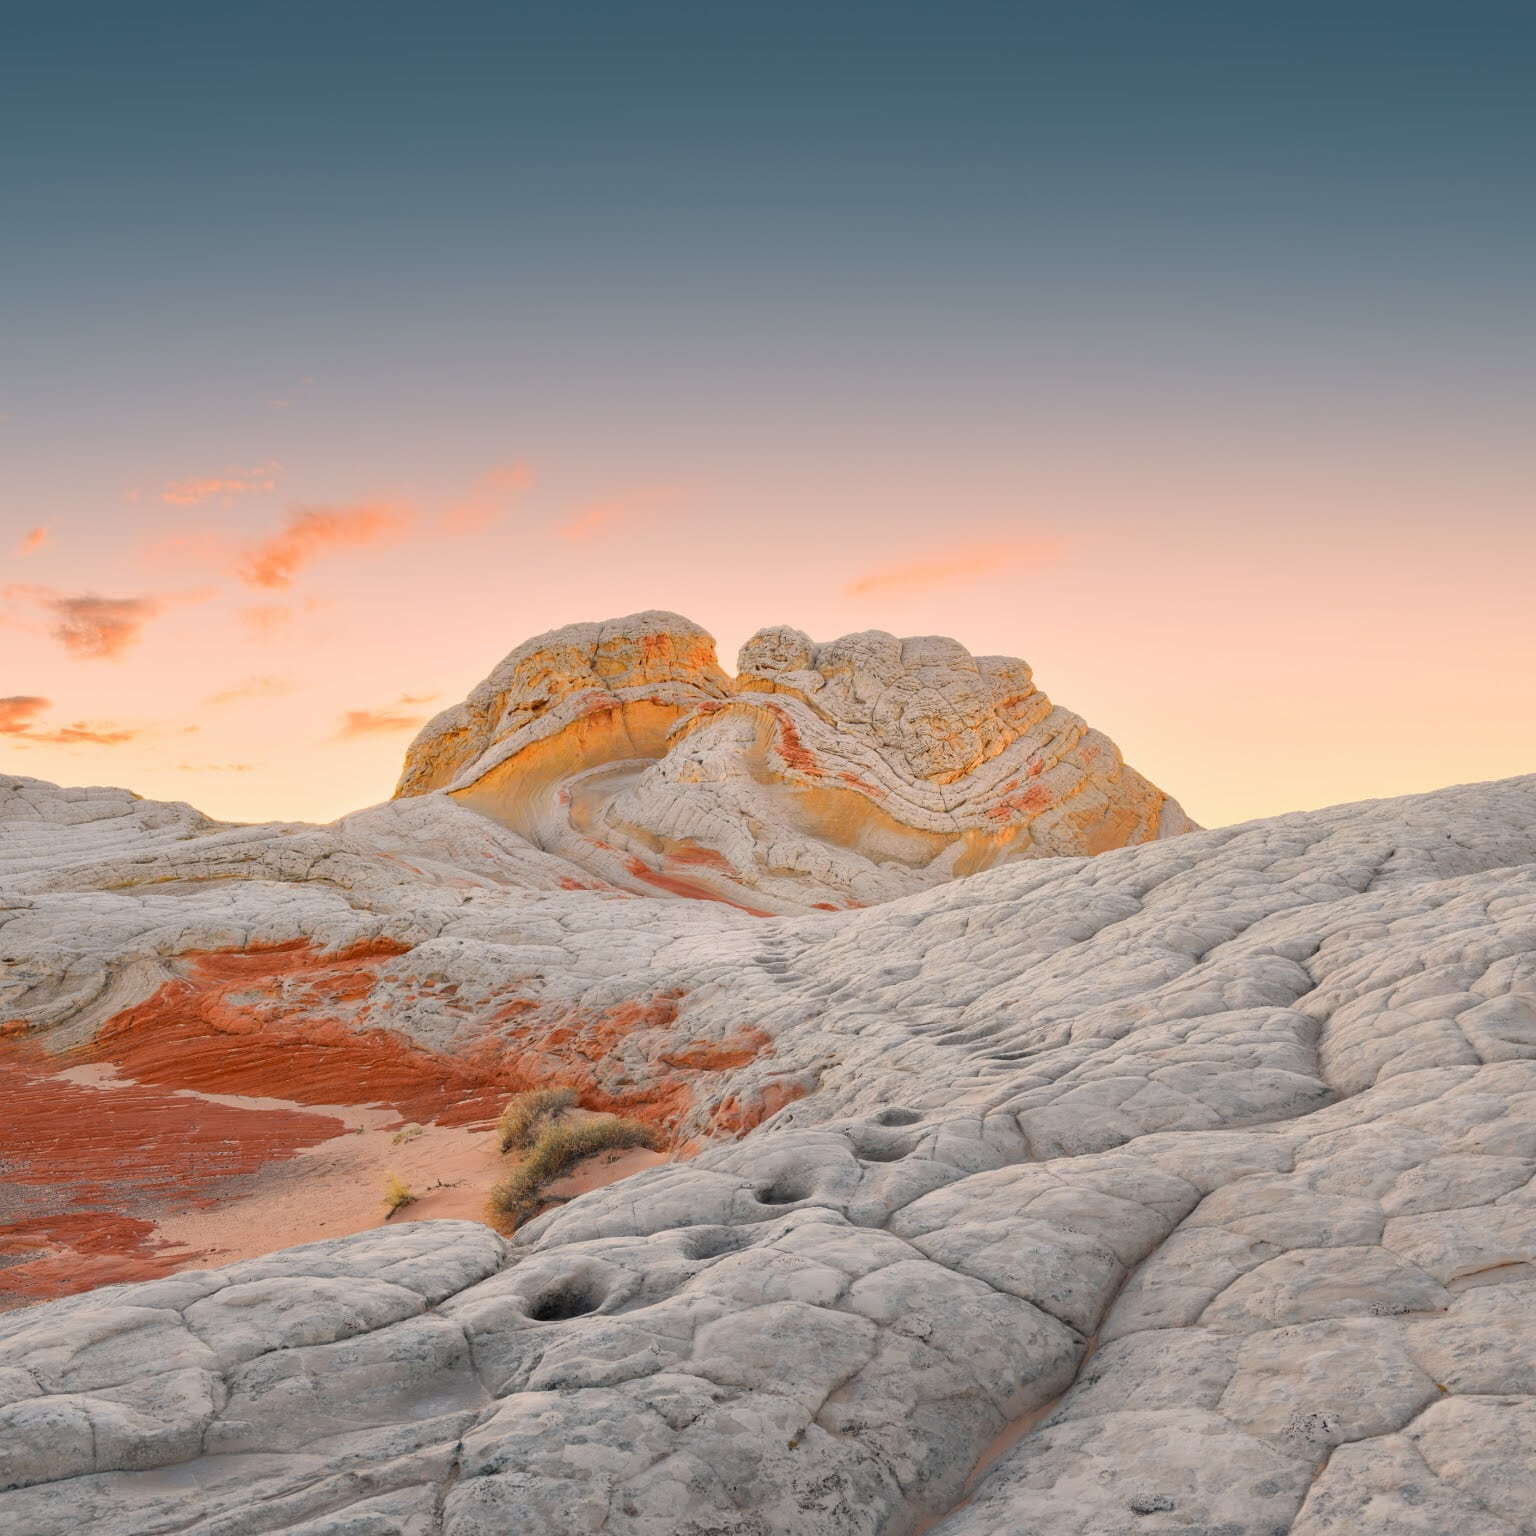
x=527, y=1114
x=397, y=1193
x=557, y=1150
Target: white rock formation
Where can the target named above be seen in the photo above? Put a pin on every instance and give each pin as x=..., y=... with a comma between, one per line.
x=822, y=776
x=1199, y=1173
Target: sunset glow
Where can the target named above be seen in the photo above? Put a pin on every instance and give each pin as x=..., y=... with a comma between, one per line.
x=370, y=366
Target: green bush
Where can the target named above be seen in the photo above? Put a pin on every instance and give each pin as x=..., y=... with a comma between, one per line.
x=557, y=1150
x=527, y=1113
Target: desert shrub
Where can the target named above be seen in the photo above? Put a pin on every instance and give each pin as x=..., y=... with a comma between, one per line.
x=526, y=1115
x=397, y=1193
x=555, y=1152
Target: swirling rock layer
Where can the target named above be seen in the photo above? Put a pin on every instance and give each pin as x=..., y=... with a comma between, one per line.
x=822, y=776
x=1184, y=1188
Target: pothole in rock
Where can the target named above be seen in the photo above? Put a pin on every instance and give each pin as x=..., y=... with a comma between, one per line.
x=870, y=1149
x=561, y=1302
x=785, y=1190
x=714, y=1242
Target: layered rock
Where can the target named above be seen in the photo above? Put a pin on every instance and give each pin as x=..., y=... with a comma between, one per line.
x=823, y=776
x=48, y=827
x=1193, y=1184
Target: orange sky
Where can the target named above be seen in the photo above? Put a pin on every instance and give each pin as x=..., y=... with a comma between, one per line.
x=1258, y=635
x=1184, y=351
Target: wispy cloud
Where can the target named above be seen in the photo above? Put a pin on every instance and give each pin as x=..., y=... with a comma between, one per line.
x=31, y=541
x=101, y=628
x=18, y=719
x=489, y=499
x=89, y=626
x=215, y=767
x=953, y=566
x=269, y=619
x=253, y=688
x=79, y=733
x=313, y=533
x=317, y=533
x=373, y=722
x=97, y=628
x=266, y=619
x=608, y=514
x=227, y=488
x=18, y=713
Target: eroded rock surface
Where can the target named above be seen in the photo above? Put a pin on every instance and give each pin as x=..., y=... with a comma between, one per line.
x=1198, y=1175
x=822, y=776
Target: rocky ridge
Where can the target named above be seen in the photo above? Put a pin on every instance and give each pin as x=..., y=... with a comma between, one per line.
x=1188, y=1187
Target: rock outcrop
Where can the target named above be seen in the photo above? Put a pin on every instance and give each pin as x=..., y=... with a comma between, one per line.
x=1191, y=1187
x=822, y=776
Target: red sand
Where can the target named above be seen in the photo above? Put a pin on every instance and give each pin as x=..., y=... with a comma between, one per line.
x=215, y=1029
x=251, y=1103
x=238, y=1206
x=83, y=1163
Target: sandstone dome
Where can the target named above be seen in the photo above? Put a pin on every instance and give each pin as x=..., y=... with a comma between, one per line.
x=820, y=776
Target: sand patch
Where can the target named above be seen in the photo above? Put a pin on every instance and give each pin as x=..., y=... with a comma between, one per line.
x=116, y=1180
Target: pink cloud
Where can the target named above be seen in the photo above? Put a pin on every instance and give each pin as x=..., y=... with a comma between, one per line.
x=92, y=627
x=953, y=566
x=18, y=718
x=31, y=541
x=82, y=734
x=18, y=712
x=372, y=722
x=100, y=628
x=488, y=500
x=253, y=688
x=313, y=533
x=268, y=620
x=226, y=488
x=625, y=509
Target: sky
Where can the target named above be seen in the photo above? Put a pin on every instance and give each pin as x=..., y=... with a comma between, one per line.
x=1186, y=350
